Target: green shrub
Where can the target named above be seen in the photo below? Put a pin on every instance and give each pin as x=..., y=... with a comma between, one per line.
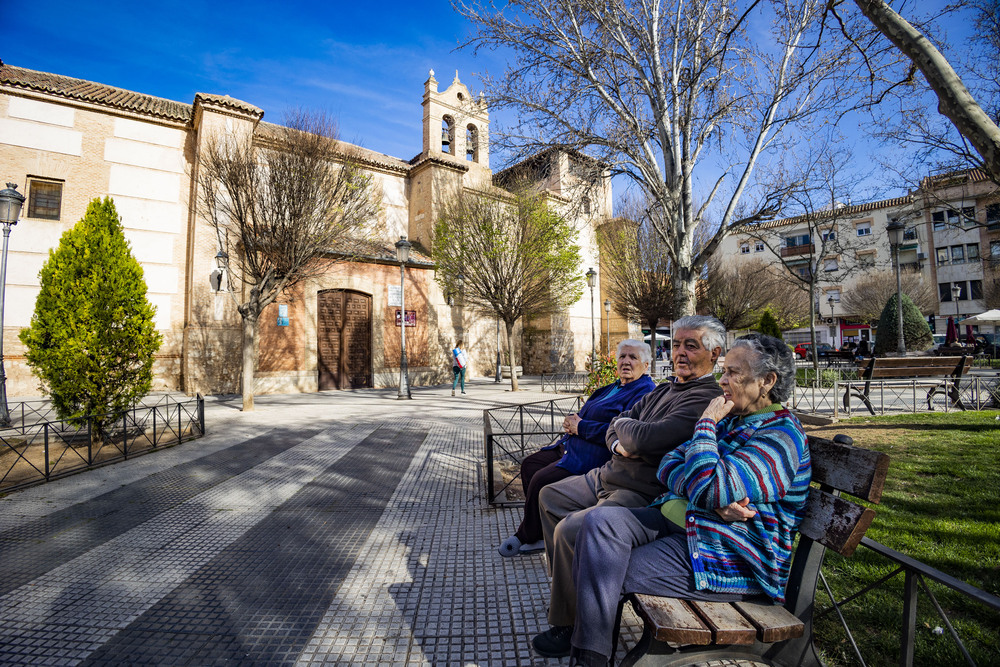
x=916, y=333
x=603, y=373
x=769, y=325
x=92, y=339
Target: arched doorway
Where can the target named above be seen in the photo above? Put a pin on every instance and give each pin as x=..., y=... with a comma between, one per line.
x=344, y=339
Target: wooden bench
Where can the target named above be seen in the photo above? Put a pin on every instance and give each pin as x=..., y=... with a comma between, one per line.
x=944, y=372
x=683, y=632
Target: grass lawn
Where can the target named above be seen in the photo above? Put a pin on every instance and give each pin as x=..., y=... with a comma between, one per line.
x=941, y=506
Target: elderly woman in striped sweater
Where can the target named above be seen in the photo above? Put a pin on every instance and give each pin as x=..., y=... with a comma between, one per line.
x=723, y=531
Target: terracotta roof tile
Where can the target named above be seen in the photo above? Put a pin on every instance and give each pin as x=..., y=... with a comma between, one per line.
x=94, y=93
x=843, y=211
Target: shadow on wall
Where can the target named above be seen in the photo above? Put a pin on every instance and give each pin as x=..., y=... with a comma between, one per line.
x=552, y=349
x=214, y=354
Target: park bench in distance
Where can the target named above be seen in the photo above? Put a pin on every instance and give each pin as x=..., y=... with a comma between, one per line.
x=943, y=372
x=782, y=636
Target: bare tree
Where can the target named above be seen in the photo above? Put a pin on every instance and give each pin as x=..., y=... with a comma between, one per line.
x=991, y=281
x=636, y=264
x=737, y=293
x=868, y=294
x=289, y=200
x=955, y=101
x=517, y=257
x=816, y=247
x=665, y=93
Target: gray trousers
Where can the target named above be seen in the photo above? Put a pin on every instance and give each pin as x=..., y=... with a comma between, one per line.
x=562, y=507
x=624, y=550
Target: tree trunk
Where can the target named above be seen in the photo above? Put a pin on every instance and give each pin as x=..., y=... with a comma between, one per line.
x=510, y=355
x=954, y=99
x=652, y=347
x=684, y=296
x=249, y=357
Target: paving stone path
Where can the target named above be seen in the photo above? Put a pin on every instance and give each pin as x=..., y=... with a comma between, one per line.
x=342, y=528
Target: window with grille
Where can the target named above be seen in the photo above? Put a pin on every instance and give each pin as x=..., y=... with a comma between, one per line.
x=44, y=199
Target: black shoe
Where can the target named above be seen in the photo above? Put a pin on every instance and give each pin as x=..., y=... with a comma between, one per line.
x=554, y=642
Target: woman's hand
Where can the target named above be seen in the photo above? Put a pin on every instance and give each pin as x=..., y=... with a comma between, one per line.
x=738, y=511
x=717, y=409
x=571, y=423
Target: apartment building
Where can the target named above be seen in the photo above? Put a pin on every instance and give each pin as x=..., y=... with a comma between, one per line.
x=951, y=240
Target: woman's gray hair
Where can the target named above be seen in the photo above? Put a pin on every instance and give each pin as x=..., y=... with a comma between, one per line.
x=644, y=354
x=770, y=355
x=713, y=332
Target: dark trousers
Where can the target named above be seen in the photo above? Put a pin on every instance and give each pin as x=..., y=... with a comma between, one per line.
x=537, y=471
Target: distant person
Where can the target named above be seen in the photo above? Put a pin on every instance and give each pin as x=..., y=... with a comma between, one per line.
x=582, y=448
x=459, y=362
x=863, y=350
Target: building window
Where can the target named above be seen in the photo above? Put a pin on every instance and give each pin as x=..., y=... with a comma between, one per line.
x=969, y=216
x=472, y=144
x=44, y=199
x=829, y=235
x=835, y=293
x=866, y=259
x=976, y=289
x=972, y=252
x=864, y=228
x=831, y=264
x=942, y=256
x=993, y=216
x=796, y=241
x=957, y=254
x=758, y=246
x=804, y=272
x=995, y=250
x=744, y=248
x=910, y=234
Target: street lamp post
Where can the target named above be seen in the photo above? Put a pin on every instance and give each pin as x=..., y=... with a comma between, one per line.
x=895, y=230
x=10, y=209
x=591, y=281
x=956, y=292
x=403, y=255
x=607, y=315
x=830, y=301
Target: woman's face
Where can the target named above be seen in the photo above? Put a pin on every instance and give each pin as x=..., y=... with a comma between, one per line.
x=629, y=365
x=747, y=393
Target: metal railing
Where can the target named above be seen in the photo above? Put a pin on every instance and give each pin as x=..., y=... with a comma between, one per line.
x=564, y=382
x=915, y=575
x=896, y=396
x=37, y=448
x=513, y=432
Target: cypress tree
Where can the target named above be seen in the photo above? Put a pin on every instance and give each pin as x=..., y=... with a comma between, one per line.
x=916, y=333
x=92, y=337
x=769, y=325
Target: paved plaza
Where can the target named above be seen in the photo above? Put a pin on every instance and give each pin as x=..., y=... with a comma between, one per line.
x=339, y=528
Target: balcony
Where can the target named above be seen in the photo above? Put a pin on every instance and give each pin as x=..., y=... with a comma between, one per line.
x=796, y=250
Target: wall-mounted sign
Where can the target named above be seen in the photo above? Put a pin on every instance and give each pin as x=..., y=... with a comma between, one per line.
x=411, y=318
x=282, y=314
x=395, y=294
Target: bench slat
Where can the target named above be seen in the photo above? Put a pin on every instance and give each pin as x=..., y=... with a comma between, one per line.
x=834, y=522
x=672, y=620
x=726, y=622
x=858, y=472
x=909, y=371
x=773, y=623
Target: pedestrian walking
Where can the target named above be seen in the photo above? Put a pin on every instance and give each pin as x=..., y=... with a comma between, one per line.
x=459, y=362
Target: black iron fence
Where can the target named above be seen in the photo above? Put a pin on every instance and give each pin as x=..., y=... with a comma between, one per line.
x=564, y=382
x=511, y=433
x=37, y=447
x=916, y=576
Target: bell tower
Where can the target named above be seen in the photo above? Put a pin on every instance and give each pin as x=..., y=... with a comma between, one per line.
x=456, y=125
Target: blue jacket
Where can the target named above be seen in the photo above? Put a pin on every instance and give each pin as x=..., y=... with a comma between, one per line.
x=588, y=450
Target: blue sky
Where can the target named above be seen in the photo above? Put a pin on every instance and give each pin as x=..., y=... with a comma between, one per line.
x=363, y=63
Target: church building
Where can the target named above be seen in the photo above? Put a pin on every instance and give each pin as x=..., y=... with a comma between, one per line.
x=66, y=141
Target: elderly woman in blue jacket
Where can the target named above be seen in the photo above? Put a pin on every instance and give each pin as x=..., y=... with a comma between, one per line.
x=582, y=448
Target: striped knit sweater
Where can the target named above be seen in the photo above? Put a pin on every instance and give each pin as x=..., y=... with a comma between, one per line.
x=763, y=457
